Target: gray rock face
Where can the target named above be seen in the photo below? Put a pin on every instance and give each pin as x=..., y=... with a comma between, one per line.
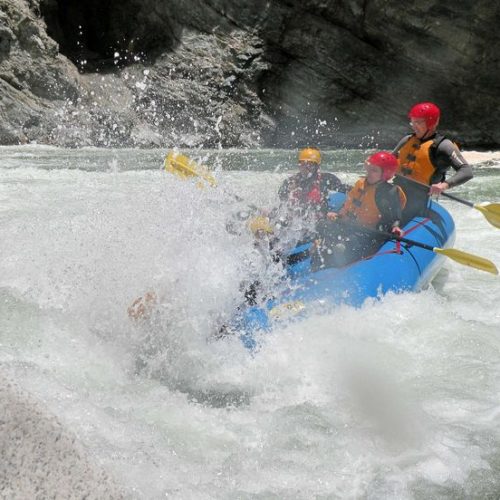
x=245, y=73
x=39, y=458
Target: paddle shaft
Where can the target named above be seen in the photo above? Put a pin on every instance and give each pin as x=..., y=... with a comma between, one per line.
x=460, y=200
x=389, y=236
x=491, y=211
x=443, y=193
x=185, y=167
x=239, y=199
x=232, y=195
x=459, y=256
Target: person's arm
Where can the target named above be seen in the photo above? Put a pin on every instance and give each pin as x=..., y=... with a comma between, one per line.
x=330, y=183
x=284, y=190
x=448, y=155
x=389, y=204
x=399, y=145
x=348, y=202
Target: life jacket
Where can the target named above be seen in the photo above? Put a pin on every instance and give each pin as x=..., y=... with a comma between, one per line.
x=361, y=204
x=415, y=160
x=311, y=197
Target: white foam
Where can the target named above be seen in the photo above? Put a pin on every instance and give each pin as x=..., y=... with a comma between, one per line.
x=392, y=400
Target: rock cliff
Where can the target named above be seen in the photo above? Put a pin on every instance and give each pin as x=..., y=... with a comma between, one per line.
x=245, y=73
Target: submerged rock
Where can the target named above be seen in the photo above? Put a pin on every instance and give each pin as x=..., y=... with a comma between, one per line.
x=42, y=459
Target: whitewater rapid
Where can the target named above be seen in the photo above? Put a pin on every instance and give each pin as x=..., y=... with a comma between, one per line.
x=396, y=400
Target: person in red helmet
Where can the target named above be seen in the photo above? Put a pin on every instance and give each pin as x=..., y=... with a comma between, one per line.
x=374, y=203
x=424, y=159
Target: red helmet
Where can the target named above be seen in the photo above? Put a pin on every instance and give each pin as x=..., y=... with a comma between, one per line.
x=386, y=161
x=426, y=110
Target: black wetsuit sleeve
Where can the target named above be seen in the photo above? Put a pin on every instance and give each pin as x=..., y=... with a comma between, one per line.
x=284, y=190
x=400, y=144
x=448, y=155
x=389, y=204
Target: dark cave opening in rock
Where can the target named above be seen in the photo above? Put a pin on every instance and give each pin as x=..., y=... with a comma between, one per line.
x=100, y=36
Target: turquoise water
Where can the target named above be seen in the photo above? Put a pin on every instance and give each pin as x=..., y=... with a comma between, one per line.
x=396, y=400
x=92, y=159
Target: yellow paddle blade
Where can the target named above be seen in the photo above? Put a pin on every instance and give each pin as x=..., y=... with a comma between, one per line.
x=491, y=211
x=184, y=167
x=467, y=259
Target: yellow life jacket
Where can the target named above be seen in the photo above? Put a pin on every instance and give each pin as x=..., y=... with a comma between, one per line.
x=361, y=205
x=415, y=161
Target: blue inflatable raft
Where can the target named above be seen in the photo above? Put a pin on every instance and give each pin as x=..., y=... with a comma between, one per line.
x=393, y=267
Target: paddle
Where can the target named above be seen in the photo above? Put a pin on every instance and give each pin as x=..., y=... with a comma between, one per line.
x=490, y=210
x=467, y=259
x=184, y=167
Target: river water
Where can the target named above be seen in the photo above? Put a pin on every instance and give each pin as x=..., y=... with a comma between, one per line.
x=398, y=399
